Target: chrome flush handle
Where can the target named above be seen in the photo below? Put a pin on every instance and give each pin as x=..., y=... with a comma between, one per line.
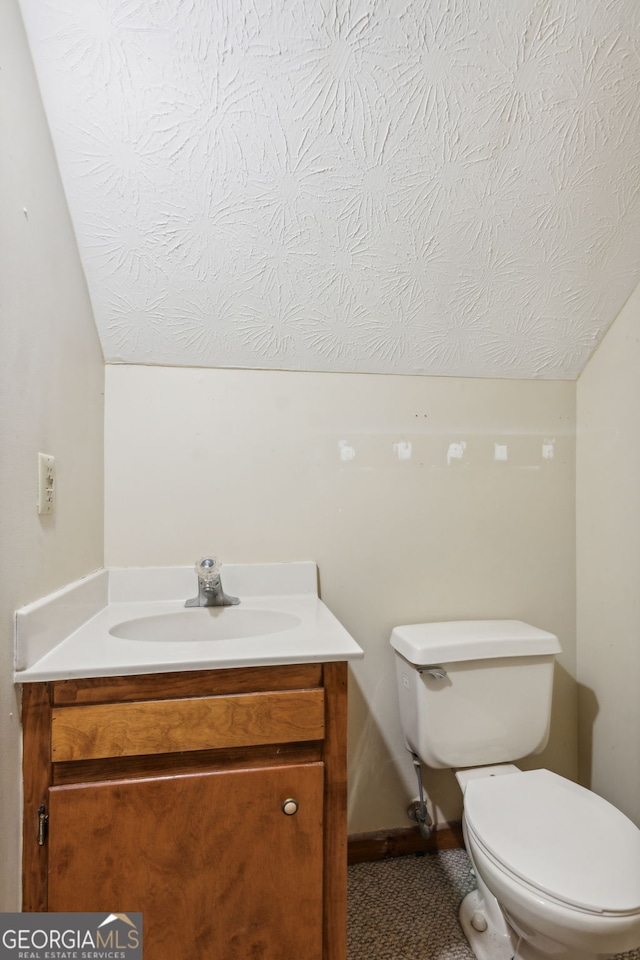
x=438, y=673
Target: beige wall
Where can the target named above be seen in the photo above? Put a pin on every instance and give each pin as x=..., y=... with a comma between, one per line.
x=51, y=382
x=391, y=484
x=608, y=568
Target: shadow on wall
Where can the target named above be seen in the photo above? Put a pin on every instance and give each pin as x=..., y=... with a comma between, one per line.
x=373, y=759
x=561, y=752
x=370, y=762
x=588, y=709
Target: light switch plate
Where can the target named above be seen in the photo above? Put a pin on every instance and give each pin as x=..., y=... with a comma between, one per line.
x=46, y=483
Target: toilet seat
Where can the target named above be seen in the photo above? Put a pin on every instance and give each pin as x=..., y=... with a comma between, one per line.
x=560, y=840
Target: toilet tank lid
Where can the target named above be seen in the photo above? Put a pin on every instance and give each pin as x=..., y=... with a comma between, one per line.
x=425, y=644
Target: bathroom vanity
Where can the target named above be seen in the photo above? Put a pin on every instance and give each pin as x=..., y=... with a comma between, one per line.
x=211, y=800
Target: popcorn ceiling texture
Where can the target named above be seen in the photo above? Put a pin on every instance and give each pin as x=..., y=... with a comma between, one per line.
x=446, y=187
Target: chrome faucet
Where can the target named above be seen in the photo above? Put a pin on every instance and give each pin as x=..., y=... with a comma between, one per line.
x=210, y=592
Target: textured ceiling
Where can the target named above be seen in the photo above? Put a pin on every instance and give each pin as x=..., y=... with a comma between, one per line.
x=445, y=187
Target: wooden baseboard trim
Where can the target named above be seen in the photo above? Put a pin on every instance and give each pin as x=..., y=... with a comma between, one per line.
x=383, y=844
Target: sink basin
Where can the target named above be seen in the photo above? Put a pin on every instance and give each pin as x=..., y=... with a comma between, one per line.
x=205, y=623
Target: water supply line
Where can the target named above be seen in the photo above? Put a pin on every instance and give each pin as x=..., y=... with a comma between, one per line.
x=419, y=809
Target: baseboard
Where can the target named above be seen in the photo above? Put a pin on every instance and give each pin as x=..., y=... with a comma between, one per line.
x=382, y=844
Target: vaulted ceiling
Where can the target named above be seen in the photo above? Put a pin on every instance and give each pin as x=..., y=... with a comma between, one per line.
x=447, y=187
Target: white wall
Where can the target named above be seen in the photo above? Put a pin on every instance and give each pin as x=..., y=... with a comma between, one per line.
x=51, y=383
x=608, y=568
x=391, y=484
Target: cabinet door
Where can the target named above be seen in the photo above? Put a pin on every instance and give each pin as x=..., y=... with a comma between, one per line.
x=216, y=867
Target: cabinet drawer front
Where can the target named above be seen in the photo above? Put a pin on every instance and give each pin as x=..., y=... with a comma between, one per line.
x=202, y=723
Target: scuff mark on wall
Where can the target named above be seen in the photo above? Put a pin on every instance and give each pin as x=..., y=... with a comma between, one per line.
x=456, y=451
x=347, y=451
x=403, y=449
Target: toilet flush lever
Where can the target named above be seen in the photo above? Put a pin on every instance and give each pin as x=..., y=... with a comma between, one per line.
x=438, y=673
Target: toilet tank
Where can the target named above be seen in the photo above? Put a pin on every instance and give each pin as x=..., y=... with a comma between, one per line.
x=474, y=692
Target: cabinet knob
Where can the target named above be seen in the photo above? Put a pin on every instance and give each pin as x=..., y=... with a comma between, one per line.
x=290, y=806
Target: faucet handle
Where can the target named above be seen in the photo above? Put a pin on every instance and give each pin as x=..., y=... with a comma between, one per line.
x=210, y=592
x=208, y=568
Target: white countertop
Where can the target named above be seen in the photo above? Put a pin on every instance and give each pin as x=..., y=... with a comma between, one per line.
x=67, y=635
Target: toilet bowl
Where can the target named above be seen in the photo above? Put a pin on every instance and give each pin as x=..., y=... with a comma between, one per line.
x=558, y=868
x=562, y=864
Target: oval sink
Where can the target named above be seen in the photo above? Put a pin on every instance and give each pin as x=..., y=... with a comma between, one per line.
x=205, y=623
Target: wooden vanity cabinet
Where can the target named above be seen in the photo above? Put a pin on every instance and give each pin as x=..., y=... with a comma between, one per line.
x=212, y=802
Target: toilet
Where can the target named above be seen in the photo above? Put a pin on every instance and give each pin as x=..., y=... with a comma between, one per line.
x=557, y=867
